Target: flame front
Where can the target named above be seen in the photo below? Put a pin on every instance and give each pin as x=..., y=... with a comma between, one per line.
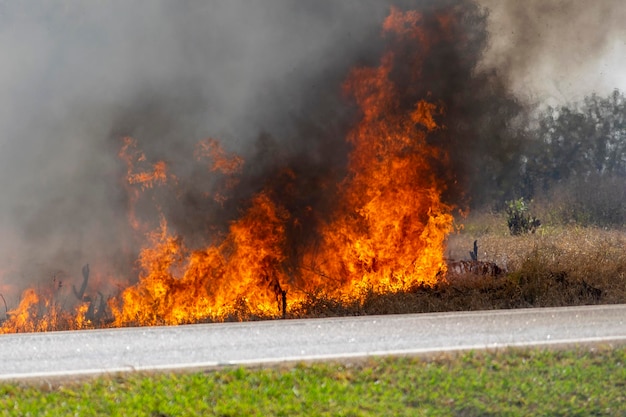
x=385, y=231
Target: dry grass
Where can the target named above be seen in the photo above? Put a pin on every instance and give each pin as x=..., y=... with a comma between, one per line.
x=557, y=266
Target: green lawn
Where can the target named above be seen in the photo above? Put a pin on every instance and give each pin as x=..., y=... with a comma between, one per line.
x=509, y=383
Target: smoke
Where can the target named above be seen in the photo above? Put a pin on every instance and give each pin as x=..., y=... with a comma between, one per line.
x=264, y=78
x=78, y=76
x=558, y=51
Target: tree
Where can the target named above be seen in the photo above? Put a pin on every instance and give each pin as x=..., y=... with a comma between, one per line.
x=579, y=141
x=576, y=161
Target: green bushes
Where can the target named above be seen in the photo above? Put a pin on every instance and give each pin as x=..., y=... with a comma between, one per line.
x=519, y=219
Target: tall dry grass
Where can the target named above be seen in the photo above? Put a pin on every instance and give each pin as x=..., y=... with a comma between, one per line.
x=556, y=266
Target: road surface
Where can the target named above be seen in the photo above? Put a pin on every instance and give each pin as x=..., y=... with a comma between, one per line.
x=73, y=353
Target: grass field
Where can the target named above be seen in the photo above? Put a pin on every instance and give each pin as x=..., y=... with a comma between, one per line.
x=506, y=383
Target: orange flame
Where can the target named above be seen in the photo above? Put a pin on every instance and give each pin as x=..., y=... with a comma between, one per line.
x=243, y=269
x=221, y=162
x=390, y=233
x=156, y=175
x=227, y=164
x=41, y=313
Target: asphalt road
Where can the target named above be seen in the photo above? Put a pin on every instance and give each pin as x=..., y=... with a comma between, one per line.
x=58, y=354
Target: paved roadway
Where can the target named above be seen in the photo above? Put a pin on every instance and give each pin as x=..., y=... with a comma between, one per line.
x=58, y=354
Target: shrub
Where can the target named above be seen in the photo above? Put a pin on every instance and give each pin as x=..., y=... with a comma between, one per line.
x=519, y=219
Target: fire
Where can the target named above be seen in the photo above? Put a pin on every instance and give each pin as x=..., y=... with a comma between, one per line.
x=148, y=178
x=24, y=316
x=212, y=282
x=41, y=312
x=389, y=234
x=220, y=162
x=385, y=230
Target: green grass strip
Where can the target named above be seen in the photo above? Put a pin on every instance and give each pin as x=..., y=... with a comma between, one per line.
x=509, y=383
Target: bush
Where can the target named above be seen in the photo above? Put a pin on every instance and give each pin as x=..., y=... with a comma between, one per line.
x=519, y=219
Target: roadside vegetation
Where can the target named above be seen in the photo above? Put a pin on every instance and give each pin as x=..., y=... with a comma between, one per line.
x=506, y=383
x=558, y=265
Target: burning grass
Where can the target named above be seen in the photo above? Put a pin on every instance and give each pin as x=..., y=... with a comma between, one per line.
x=557, y=266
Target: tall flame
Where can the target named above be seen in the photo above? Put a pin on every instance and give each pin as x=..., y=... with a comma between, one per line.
x=389, y=232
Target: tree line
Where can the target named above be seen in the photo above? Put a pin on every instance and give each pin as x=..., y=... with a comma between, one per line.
x=572, y=157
